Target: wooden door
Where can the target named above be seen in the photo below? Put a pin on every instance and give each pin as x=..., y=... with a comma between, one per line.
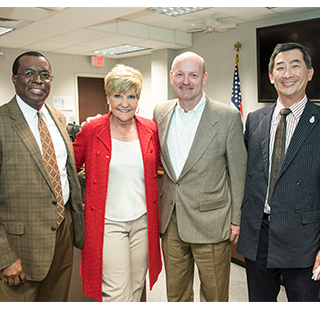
x=91, y=97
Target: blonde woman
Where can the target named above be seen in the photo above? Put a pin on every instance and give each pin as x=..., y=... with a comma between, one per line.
x=120, y=151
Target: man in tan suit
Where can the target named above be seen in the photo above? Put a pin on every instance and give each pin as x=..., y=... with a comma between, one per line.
x=35, y=254
x=204, y=160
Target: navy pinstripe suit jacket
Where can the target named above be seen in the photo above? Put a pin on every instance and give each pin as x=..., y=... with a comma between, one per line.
x=294, y=231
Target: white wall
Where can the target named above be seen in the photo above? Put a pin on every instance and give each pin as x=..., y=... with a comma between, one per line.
x=215, y=48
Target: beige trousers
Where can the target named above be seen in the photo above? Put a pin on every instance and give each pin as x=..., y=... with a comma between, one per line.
x=213, y=262
x=55, y=286
x=125, y=260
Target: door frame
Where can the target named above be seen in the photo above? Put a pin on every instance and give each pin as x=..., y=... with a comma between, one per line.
x=82, y=75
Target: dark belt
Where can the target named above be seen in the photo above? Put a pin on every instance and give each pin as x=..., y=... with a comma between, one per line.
x=266, y=216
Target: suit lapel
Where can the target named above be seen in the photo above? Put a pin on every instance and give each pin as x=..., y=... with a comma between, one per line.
x=58, y=119
x=104, y=135
x=163, y=128
x=264, y=137
x=308, y=120
x=205, y=133
x=22, y=129
x=61, y=125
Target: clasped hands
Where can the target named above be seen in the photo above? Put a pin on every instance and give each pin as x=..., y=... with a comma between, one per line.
x=14, y=274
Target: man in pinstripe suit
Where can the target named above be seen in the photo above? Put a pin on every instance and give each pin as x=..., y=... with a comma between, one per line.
x=280, y=236
x=35, y=255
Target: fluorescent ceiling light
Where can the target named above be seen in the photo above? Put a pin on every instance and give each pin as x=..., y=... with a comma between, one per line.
x=5, y=30
x=124, y=48
x=175, y=11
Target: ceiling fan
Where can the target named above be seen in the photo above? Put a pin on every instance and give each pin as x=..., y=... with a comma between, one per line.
x=210, y=25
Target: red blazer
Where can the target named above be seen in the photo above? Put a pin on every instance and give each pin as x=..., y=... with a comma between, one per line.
x=92, y=147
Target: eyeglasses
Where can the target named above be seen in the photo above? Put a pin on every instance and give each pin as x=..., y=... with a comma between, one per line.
x=34, y=75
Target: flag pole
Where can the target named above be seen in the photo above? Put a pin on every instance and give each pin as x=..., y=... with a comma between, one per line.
x=237, y=47
x=236, y=94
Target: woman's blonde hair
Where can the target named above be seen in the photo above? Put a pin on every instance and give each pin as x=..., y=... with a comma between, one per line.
x=121, y=79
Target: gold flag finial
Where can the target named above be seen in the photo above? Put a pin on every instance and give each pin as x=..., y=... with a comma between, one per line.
x=237, y=46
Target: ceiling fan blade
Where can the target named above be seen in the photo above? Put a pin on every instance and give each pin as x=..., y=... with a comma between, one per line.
x=198, y=25
x=227, y=26
x=221, y=30
x=215, y=24
x=196, y=30
x=205, y=31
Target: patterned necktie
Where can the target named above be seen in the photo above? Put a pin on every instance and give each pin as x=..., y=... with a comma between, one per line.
x=52, y=166
x=278, y=150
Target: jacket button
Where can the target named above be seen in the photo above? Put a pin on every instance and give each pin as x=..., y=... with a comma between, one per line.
x=92, y=207
x=299, y=182
x=53, y=229
x=94, y=181
x=98, y=152
x=171, y=202
x=177, y=185
x=245, y=200
x=297, y=210
x=250, y=175
x=54, y=202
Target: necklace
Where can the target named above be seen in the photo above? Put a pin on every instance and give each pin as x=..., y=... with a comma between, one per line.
x=124, y=134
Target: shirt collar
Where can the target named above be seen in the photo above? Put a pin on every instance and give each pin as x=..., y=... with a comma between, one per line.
x=197, y=108
x=296, y=109
x=29, y=112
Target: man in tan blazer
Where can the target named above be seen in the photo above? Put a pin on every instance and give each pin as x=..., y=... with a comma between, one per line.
x=35, y=256
x=204, y=161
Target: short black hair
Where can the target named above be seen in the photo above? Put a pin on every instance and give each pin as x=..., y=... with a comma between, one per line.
x=280, y=47
x=16, y=63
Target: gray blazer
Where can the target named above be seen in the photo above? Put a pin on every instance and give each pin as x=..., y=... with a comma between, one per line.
x=27, y=200
x=294, y=229
x=209, y=191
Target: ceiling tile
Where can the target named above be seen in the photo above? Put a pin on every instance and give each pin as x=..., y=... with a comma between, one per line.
x=86, y=34
x=101, y=13
x=28, y=35
x=48, y=28
x=25, y=13
x=44, y=46
x=70, y=20
x=14, y=42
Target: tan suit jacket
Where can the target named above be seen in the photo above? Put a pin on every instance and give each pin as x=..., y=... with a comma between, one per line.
x=209, y=191
x=28, y=212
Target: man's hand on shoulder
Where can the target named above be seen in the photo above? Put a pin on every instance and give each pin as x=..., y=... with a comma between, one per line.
x=89, y=119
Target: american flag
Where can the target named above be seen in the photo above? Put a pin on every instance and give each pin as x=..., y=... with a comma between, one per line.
x=236, y=93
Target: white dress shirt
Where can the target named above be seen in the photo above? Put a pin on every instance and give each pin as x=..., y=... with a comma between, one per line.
x=31, y=117
x=182, y=130
x=292, y=120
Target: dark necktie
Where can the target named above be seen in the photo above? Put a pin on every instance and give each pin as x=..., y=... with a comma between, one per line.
x=51, y=165
x=278, y=150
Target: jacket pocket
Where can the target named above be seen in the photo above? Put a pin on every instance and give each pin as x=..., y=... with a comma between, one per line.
x=14, y=227
x=310, y=217
x=213, y=204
